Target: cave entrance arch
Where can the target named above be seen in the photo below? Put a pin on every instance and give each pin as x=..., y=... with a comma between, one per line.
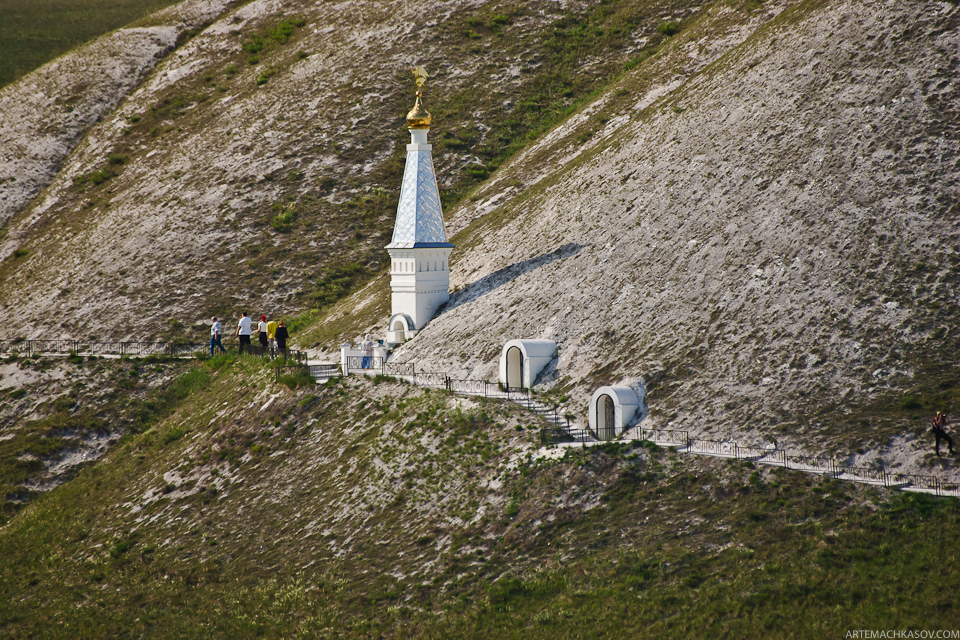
x=514, y=368
x=400, y=328
x=606, y=418
x=521, y=361
x=613, y=410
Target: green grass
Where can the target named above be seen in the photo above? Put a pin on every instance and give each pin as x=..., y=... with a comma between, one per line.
x=555, y=90
x=269, y=37
x=115, y=399
x=296, y=379
x=33, y=33
x=802, y=585
x=671, y=546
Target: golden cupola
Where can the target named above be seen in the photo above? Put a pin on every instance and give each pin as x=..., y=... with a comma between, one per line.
x=418, y=117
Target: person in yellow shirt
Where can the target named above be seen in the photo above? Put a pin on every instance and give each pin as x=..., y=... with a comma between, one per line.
x=271, y=337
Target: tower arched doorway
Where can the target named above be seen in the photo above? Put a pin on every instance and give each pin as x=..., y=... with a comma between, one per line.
x=400, y=328
x=514, y=368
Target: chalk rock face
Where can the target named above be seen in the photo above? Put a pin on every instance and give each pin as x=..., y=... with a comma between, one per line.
x=758, y=220
x=236, y=171
x=771, y=229
x=45, y=114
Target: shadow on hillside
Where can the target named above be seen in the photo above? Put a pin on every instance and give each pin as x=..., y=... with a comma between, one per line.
x=497, y=279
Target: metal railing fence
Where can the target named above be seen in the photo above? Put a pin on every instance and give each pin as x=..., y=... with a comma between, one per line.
x=289, y=369
x=355, y=363
x=813, y=464
x=924, y=483
x=670, y=437
x=324, y=370
x=714, y=447
x=314, y=370
x=724, y=448
x=30, y=348
x=559, y=433
x=433, y=379
x=399, y=369
x=808, y=464
x=470, y=387
x=867, y=475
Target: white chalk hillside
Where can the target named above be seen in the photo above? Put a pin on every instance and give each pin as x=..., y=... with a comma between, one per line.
x=759, y=221
x=211, y=139
x=45, y=114
x=771, y=235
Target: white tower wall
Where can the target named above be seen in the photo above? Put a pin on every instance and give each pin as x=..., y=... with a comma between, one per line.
x=419, y=281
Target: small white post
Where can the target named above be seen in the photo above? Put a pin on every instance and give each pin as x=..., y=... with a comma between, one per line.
x=345, y=358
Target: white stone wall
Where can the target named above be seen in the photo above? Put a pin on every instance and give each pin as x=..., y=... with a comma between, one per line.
x=419, y=282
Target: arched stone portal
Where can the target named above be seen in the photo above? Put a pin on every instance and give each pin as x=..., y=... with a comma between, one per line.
x=612, y=411
x=521, y=361
x=399, y=329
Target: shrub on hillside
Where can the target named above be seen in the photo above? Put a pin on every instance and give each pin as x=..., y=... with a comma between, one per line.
x=301, y=378
x=668, y=28
x=284, y=217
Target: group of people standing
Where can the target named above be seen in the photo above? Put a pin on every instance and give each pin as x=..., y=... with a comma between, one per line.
x=271, y=335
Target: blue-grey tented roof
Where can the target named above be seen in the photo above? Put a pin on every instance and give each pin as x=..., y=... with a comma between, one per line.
x=419, y=216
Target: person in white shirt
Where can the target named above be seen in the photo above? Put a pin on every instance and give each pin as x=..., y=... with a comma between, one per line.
x=243, y=331
x=215, y=330
x=262, y=331
x=366, y=352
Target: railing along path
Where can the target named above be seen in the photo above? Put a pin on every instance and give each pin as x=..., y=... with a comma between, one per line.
x=822, y=465
x=561, y=432
x=31, y=348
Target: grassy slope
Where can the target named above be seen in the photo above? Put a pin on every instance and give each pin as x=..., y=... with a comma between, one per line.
x=73, y=404
x=362, y=510
x=722, y=553
x=33, y=33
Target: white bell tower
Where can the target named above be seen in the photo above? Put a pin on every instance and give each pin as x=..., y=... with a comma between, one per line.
x=419, y=251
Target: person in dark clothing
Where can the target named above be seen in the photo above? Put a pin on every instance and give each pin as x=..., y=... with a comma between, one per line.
x=939, y=422
x=281, y=337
